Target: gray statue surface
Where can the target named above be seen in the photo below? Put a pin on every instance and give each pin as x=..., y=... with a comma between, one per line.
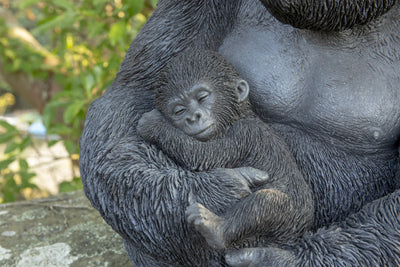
x=204, y=121
x=325, y=75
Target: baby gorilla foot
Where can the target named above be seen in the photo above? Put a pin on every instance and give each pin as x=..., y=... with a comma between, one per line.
x=260, y=257
x=207, y=223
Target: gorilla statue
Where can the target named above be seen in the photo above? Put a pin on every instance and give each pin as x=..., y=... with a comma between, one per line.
x=323, y=74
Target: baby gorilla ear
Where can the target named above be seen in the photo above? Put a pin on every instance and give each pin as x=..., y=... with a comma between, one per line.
x=242, y=90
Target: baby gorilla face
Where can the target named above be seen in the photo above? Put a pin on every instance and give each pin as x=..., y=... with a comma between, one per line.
x=192, y=112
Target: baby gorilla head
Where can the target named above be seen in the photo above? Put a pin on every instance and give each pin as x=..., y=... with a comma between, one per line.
x=202, y=94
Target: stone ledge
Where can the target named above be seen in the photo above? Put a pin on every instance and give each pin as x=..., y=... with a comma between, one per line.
x=63, y=230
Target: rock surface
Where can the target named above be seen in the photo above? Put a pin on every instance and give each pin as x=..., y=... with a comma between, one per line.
x=63, y=230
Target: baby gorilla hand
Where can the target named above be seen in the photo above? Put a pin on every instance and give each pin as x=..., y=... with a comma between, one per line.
x=242, y=179
x=148, y=124
x=254, y=177
x=207, y=223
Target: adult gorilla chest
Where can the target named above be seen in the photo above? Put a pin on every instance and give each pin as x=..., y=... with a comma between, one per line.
x=346, y=92
x=334, y=97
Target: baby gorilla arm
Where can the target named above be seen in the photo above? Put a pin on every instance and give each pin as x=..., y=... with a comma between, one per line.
x=193, y=154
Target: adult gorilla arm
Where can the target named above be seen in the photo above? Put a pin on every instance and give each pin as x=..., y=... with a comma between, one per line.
x=140, y=192
x=370, y=237
x=327, y=15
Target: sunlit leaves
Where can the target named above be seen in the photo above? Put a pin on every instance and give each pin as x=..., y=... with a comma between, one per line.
x=117, y=32
x=73, y=110
x=62, y=21
x=5, y=163
x=13, y=182
x=71, y=147
x=26, y=3
x=65, y=4
x=8, y=127
x=16, y=142
x=98, y=28
x=75, y=184
x=154, y=3
x=134, y=7
x=86, y=40
x=13, y=179
x=7, y=137
x=9, y=132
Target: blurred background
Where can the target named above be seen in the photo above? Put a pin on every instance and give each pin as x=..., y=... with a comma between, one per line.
x=56, y=57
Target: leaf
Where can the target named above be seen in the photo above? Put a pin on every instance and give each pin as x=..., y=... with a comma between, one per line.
x=28, y=184
x=26, y=177
x=23, y=164
x=116, y=32
x=25, y=143
x=7, y=136
x=9, y=196
x=16, y=65
x=52, y=143
x=134, y=7
x=4, y=163
x=11, y=147
x=72, y=110
x=154, y=3
x=66, y=187
x=27, y=3
x=8, y=126
x=75, y=184
x=63, y=94
x=70, y=147
x=62, y=21
x=67, y=5
x=89, y=82
x=59, y=129
x=96, y=29
x=48, y=115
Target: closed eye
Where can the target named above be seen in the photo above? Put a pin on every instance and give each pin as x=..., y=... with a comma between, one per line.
x=203, y=96
x=179, y=111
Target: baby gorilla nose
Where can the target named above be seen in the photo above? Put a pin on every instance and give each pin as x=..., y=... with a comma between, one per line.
x=194, y=117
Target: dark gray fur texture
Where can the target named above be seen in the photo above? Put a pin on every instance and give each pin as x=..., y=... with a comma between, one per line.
x=278, y=211
x=327, y=15
x=334, y=97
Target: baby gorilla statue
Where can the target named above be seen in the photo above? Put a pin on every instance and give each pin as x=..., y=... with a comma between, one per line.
x=203, y=121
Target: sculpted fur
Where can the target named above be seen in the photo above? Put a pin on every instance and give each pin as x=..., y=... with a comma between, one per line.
x=330, y=89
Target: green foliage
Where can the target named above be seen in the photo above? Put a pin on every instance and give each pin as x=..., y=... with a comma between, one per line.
x=75, y=184
x=85, y=42
x=14, y=180
x=16, y=53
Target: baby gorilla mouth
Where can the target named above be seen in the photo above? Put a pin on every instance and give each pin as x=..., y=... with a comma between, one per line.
x=204, y=133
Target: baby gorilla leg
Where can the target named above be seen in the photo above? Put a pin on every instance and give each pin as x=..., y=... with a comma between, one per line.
x=266, y=212
x=207, y=223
